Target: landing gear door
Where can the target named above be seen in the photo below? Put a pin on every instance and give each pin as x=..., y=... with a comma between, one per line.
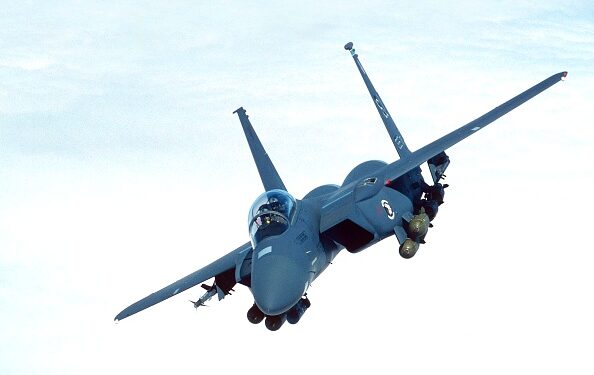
x=438, y=165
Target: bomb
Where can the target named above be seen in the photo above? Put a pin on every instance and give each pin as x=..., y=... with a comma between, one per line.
x=418, y=227
x=408, y=249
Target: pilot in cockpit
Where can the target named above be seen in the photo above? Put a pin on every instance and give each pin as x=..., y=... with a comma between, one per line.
x=271, y=214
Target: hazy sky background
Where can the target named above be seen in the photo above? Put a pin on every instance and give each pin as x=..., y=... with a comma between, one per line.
x=123, y=169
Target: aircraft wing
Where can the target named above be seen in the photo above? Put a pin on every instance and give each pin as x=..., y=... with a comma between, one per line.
x=400, y=167
x=219, y=266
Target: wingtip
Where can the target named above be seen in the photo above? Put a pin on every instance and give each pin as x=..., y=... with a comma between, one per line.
x=120, y=316
x=563, y=76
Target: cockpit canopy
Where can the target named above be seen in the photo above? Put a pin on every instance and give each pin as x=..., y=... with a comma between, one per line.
x=271, y=215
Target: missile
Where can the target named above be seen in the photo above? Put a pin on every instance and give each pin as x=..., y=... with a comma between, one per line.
x=298, y=310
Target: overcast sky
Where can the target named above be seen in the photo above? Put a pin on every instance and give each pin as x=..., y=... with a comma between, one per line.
x=122, y=169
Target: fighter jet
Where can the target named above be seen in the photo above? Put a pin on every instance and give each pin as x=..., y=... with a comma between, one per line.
x=292, y=241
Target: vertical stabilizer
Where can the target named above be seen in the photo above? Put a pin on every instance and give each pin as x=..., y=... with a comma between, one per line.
x=268, y=174
x=395, y=135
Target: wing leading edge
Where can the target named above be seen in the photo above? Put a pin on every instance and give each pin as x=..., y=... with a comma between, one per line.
x=400, y=167
x=217, y=267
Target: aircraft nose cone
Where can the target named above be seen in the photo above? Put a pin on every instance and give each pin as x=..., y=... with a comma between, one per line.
x=277, y=283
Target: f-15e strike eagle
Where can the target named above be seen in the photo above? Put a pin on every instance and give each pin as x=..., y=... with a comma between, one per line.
x=294, y=240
